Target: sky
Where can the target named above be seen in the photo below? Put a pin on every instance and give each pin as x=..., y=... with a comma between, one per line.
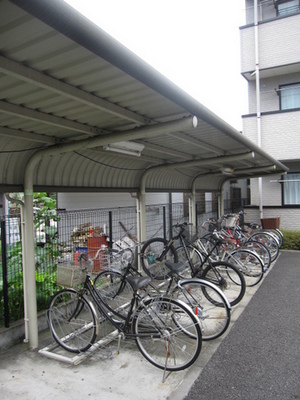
x=194, y=43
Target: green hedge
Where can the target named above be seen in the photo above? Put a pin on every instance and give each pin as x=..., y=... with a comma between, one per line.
x=291, y=240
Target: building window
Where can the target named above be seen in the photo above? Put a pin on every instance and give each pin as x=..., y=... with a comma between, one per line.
x=287, y=7
x=291, y=189
x=289, y=96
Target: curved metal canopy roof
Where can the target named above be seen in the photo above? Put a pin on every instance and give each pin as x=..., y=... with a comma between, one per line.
x=68, y=89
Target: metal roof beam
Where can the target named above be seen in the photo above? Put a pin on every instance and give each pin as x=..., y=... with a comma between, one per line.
x=47, y=82
x=32, y=137
x=255, y=171
x=197, y=143
x=12, y=109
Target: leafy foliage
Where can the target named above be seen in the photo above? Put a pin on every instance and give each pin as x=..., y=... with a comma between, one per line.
x=46, y=253
x=291, y=240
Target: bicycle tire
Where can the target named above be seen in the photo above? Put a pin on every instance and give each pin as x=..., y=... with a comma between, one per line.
x=278, y=234
x=261, y=250
x=228, y=278
x=167, y=333
x=249, y=264
x=72, y=321
x=154, y=253
x=208, y=302
x=115, y=292
x=268, y=240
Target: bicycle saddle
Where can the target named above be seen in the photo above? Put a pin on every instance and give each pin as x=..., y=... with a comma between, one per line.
x=139, y=282
x=175, y=267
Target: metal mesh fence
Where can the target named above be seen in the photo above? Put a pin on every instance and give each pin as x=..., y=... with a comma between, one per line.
x=11, y=272
x=61, y=239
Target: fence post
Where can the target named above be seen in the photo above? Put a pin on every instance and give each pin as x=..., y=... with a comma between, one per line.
x=4, y=273
x=170, y=216
x=110, y=229
x=164, y=223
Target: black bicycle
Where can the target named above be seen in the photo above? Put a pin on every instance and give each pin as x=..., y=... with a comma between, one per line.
x=156, y=251
x=205, y=299
x=166, y=331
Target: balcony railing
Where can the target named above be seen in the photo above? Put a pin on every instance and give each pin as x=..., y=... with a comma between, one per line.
x=271, y=9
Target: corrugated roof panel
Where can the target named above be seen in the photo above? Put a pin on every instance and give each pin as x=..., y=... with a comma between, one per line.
x=64, y=80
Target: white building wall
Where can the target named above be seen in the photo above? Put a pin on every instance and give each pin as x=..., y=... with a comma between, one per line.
x=273, y=51
x=84, y=201
x=280, y=133
x=268, y=95
x=289, y=217
x=271, y=191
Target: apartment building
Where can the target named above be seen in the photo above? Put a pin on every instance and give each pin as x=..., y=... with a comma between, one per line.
x=270, y=62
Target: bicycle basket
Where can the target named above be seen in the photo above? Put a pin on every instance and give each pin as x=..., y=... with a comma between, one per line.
x=229, y=221
x=71, y=274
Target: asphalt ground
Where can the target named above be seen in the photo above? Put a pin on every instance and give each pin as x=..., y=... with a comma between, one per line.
x=257, y=358
x=260, y=356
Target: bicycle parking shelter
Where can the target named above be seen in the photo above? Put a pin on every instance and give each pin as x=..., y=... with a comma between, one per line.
x=70, y=93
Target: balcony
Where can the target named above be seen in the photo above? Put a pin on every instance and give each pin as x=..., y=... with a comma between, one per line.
x=278, y=41
x=271, y=9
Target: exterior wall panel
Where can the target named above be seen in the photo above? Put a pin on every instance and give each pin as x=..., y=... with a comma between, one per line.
x=280, y=133
x=273, y=51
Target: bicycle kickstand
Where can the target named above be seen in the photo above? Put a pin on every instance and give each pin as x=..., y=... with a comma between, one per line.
x=119, y=345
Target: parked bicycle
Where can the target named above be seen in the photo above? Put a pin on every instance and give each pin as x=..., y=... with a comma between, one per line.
x=217, y=248
x=166, y=331
x=224, y=275
x=270, y=238
x=237, y=239
x=205, y=299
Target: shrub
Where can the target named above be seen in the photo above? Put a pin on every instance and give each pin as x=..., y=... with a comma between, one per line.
x=291, y=240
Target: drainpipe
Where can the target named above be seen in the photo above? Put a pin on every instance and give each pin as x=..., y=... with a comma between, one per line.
x=258, y=111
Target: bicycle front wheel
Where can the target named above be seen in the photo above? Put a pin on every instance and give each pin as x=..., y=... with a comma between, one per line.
x=208, y=302
x=154, y=254
x=268, y=240
x=72, y=321
x=261, y=250
x=167, y=333
x=228, y=278
x=249, y=264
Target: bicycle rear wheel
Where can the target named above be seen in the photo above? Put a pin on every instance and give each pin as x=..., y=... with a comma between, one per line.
x=167, y=333
x=154, y=254
x=72, y=321
x=208, y=302
x=228, y=278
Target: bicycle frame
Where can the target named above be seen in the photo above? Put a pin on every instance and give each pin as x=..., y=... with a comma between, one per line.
x=205, y=256
x=122, y=327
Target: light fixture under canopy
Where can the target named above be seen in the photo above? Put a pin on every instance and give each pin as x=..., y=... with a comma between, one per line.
x=130, y=148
